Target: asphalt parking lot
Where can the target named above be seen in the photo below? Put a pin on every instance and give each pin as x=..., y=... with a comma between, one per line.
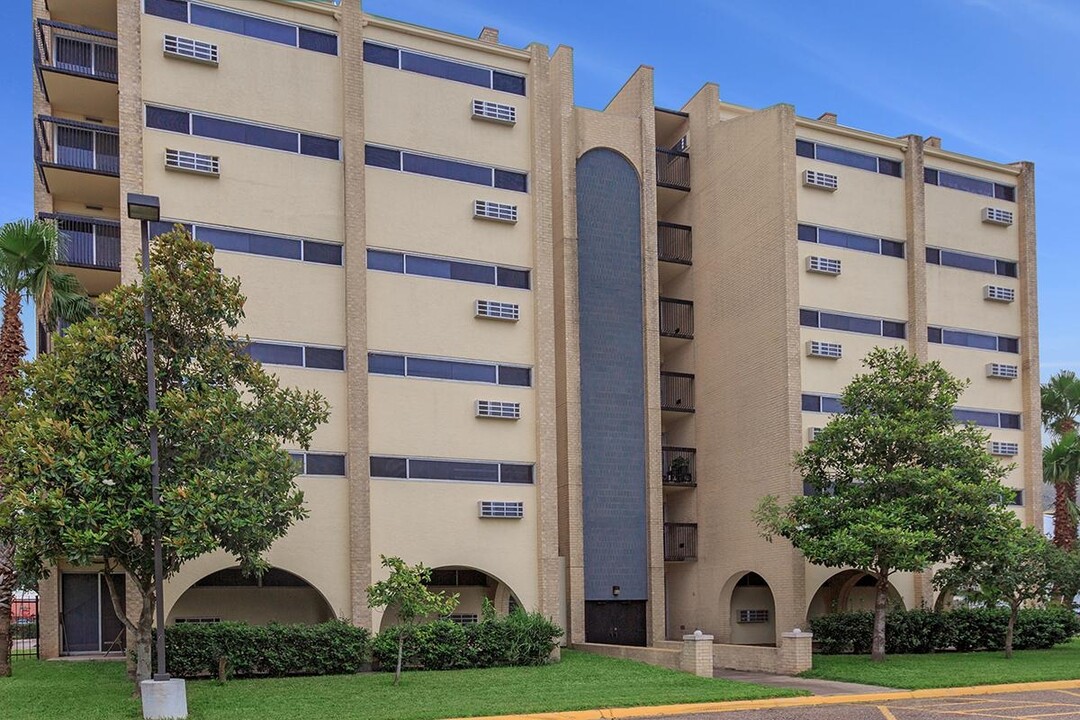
x=1057, y=704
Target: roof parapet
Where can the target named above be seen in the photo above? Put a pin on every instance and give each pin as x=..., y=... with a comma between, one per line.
x=489, y=35
x=828, y=117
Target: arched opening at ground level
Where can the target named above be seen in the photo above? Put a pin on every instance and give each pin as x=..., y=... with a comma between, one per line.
x=277, y=596
x=752, y=610
x=472, y=587
x=849, y=591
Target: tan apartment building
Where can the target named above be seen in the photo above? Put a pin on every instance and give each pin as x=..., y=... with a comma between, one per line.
x=567, y=350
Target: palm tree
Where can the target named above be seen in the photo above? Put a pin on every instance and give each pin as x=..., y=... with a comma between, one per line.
x=30, y=252
x=1060, y=415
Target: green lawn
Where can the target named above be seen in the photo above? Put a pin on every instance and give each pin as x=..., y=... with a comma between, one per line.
x=952, y=669
x=99, y=691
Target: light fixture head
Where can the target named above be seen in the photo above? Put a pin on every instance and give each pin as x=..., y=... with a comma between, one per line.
x=146, y=208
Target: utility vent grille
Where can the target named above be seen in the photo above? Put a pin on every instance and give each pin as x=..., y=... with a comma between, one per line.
x=1004, y=449
x=753, y=616
x=464, y=618
x=812, y=433
x=816, y=348
x=192, y=162
x=495, y=211
x=824, y=265
x=501, y=509
x=498, y=409
x=824, y=181
x=189, y=49
x=999, y=370
x=497, y=310
x=997, y=216
x=999, y=294
x=484, y=110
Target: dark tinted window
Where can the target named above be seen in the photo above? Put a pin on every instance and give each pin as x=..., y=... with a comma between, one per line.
x=250, y=242
x=930, y=176
x=382, y=157
x=968, y=262
x=387, y=467
x=450, y=169
x=243, y=24
x=833, y=321
x=933, y=255
x=172, y=9
x=890, y=167
x=1004, y=192
x=386, y=364
x=808, y=233
x=1017, y=498
x=277, y=354
x=437, y=67
x=808, y=318
x=933, y=334
x=325, y=464
x=450, y=370
x=892, y=248
x=390, y=262
x=431, y=267
x=507, y=82
x=325, y=253
x=470, y=272
x=1010, y=345
x=512, y=473
x=508, y=277
x=319, y=146
x=839, y=238
x=831, y=405
x=1010, y=420
x=508, y=180
x=243, y=133
x=846, y=157
x=318, y=41
x=979, y=417
x=969, y=339
x=160, y=228
x=811, y=403
x=380, y=54
x=804, y=148
x=453, y=470
x=515, y=376
x=893, y=329
x=298, y=461
x=165, y=119
x=967, y=184
x=1005, y=268
x=324, y=358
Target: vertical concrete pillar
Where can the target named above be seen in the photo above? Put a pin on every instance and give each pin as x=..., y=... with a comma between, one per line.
x=697, y=654
x=795, y=652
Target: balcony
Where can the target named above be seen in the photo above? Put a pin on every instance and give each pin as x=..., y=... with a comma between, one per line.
x=680, y=542
x=91, y=250
x=677, y=392
x=79, y=161
x=679, y=465
x=676, y=318
x=674, y=243
x=100, y=14
x=77, y=68
x=673, y=169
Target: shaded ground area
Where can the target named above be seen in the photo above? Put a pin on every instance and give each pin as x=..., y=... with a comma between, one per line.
x=1057, y=704
x=813, y=686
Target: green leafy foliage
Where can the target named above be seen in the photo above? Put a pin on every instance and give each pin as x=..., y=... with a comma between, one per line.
x=76, y=438
x=331, y=648
x=897, y=484
x=519, y=638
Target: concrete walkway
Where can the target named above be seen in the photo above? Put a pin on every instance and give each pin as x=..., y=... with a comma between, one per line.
x=812, y=686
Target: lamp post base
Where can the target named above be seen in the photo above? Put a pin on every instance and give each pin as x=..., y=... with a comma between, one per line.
x=164, y=700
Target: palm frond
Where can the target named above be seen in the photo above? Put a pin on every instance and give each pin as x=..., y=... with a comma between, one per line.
x=1061, y=460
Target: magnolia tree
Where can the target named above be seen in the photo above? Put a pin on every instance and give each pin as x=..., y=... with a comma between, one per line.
x=75, y=437
x=897, y=485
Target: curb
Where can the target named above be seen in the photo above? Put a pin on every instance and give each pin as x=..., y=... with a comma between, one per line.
x=788, y=702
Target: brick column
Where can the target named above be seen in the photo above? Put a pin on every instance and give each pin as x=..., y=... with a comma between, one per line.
x=697, y=654
x=795, y=653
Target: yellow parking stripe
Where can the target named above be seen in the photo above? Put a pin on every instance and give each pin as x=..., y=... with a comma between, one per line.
x=886, y=712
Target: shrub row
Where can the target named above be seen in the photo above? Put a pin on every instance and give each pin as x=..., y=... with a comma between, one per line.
x=234, y=649
x=964, y=629
x=519, y=638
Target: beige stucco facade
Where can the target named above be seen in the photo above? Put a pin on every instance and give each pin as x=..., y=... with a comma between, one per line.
x=742, y=199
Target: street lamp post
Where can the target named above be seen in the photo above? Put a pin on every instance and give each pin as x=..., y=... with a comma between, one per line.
x=147, y=209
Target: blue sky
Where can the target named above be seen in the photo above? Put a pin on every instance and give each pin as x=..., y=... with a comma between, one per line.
x=994, y=78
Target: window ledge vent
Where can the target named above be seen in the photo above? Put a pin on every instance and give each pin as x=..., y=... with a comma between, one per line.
x=812, y=433
x=819, y=349
x=501, y=212
x=997, y=293
x=498, y=409
x=494, y=310
x=997, y=216
x=192, y=162
x=820, y=180
x=188, y=49
x=501, y=509
x=1004, y=449
x=823, y=265
x=1002, y=371
x=494, y=112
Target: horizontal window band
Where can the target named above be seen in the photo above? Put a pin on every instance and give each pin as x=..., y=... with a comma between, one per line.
x=306, y=356
x=400, y=58
x=241, y=23
x=414, y=468
x=447, y=269
x=243, y=132
x=850, y=240
x=448, y=369
x=319, y=463
x=826, y=320
x=972, y=339
x=256, y=243
x=415, y=163
x=851, y=158
x=988, y=418
x=967, y=183
x=970, y=261
x=812, y=402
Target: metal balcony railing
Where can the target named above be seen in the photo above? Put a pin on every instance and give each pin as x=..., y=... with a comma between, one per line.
x=76, y=50
x=676, y=318
x=75, y=145
x=680, y=541
x=679, y=466
x=677, y=391
x=672, y=169
x=89, y=242
x=674, y=243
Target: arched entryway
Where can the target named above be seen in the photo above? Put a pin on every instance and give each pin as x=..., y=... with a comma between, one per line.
x=752, y=610
x=849, y=591
x=472, y=587
x=277, y=596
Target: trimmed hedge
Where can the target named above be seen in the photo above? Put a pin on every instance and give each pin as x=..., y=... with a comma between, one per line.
x=519, y=638
x=330, y=648
x=964, y=629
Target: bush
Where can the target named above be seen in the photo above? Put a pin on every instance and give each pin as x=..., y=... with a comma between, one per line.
x=330, y=648
x=963, y=629
x=24, y=631
x=519, y=638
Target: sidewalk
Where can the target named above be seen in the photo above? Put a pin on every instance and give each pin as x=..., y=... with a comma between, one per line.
x=812, y=686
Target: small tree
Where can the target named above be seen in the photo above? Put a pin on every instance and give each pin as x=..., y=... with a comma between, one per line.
x=406, y=591
x=1013, y=566
x=897, y=484
x=75, y=439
